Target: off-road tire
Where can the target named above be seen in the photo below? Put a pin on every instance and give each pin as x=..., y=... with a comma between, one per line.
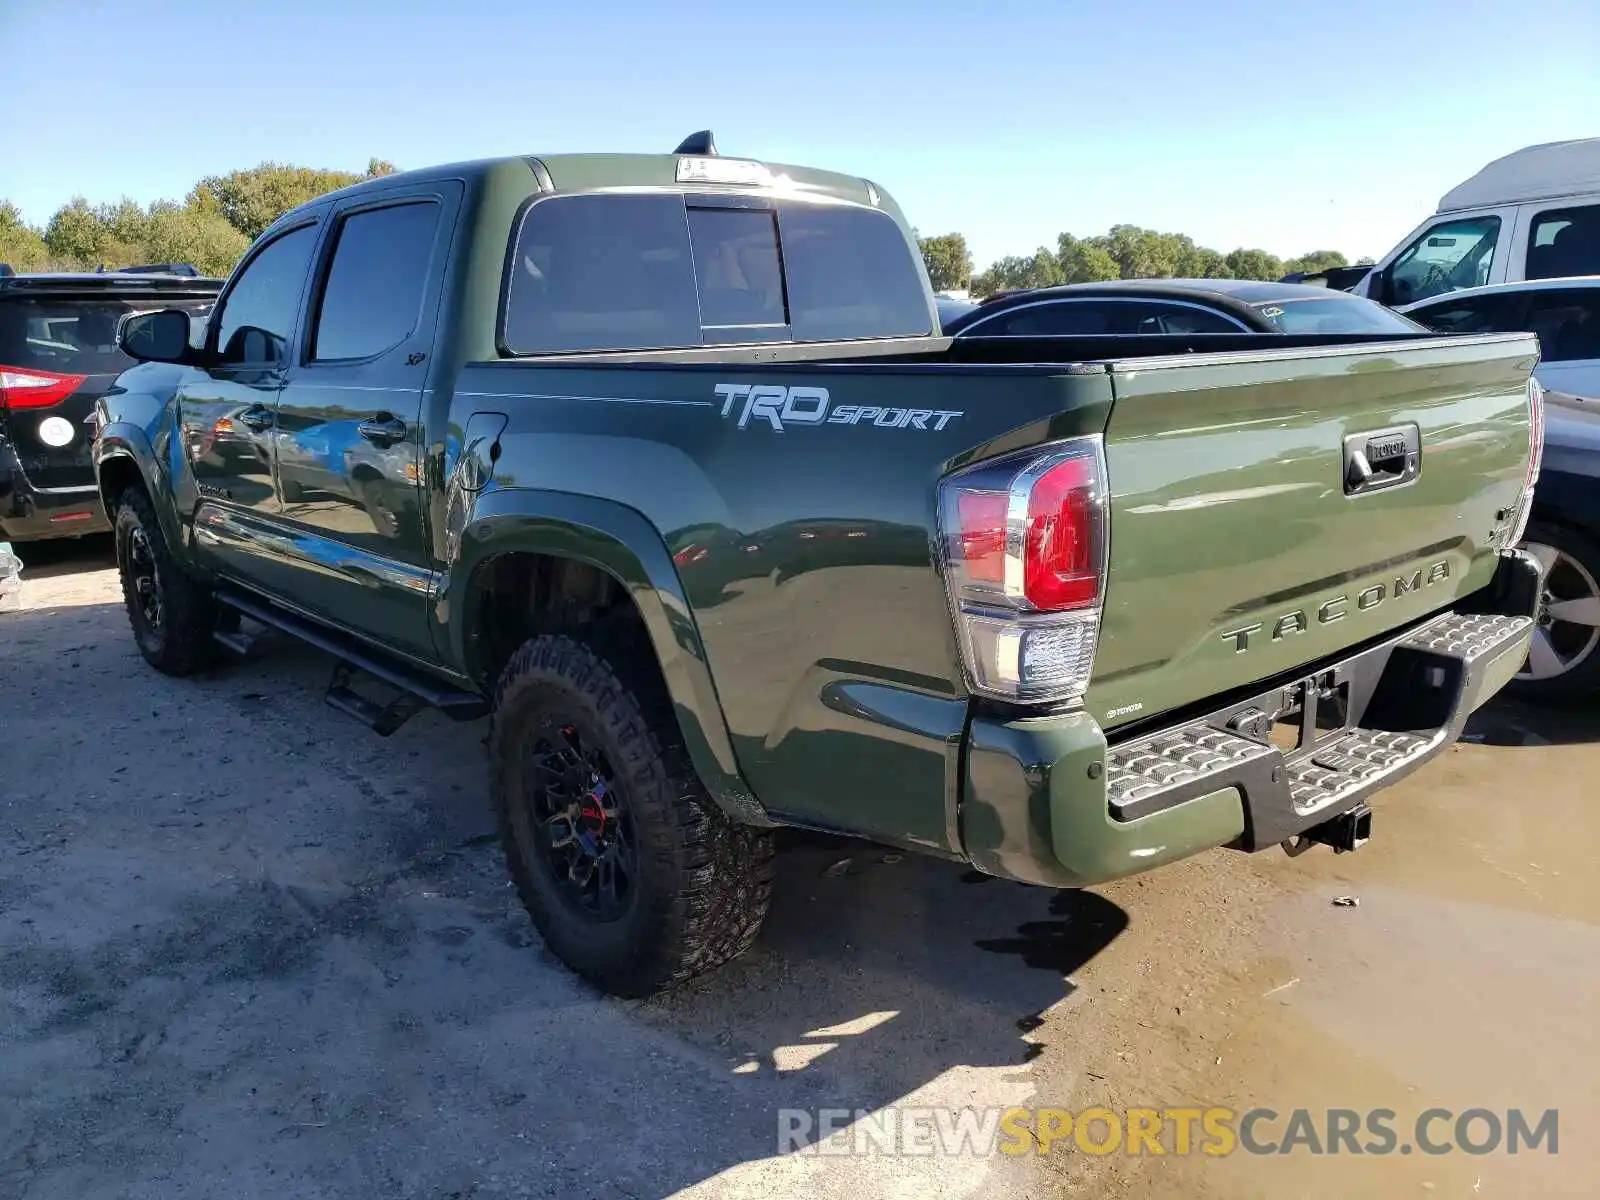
x=703, y=882
x=182, y=644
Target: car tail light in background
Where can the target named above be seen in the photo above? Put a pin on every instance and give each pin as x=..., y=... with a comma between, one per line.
x=35, y=389
x=1519, y=524
x=1023, y=541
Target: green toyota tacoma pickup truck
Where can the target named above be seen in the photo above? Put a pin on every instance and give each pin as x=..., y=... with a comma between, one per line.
x=659, y=462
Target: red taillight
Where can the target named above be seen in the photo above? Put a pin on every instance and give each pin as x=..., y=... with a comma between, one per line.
x=1060, y=561
x=35, y=389
x=1024, y=553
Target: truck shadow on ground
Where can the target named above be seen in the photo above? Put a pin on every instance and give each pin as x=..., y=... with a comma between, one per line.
x=1510, y=722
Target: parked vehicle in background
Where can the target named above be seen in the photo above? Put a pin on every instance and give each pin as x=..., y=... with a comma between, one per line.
x=1565, y=313
x=1532, y=214
x=58, y=353
x=950, y=309
x=1177, y=306
x=680, y=485
x=1564, y=535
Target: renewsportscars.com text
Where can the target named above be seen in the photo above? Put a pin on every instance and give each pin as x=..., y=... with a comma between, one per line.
x=1212, y=1132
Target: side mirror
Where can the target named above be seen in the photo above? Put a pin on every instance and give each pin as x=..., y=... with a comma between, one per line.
x=157, y=337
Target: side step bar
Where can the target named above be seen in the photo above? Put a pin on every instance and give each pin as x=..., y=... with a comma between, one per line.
x=414, y=689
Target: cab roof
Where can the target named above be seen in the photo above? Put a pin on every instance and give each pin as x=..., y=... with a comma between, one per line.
x=579, y=172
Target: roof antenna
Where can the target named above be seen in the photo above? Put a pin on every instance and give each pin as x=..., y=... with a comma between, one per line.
x=698, y=143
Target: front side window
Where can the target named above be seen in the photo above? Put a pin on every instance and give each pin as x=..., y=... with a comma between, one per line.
x=1564, y=241
x=257, y=317
x=1448, y=257
x=654, y=271
x=1184, y=318
x=379, y=271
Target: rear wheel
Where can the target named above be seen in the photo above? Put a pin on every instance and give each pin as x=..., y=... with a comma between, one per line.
x=1564, y=660
x=631, y=873
x=172, y=616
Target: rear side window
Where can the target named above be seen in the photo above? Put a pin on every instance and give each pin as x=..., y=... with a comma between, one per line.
x=373, y=294
x=1567, y=321
x=72, y=337
x=1089, y=318
x=1564, y=241
x=648, y=272
x=1480, y=314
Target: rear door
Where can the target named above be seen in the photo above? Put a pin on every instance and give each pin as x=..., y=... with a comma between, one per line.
x=58, y=355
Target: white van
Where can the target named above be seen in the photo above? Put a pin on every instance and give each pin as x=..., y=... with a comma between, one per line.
x=1534, y=214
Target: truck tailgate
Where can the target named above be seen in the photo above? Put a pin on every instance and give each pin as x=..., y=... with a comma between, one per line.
x=1242, y=543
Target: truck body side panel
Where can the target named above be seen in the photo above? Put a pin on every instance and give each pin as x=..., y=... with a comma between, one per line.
x=802, y=533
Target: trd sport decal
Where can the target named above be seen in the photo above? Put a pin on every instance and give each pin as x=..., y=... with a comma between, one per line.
x=785, y=406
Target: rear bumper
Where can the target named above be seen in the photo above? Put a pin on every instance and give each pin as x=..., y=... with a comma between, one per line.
x=1047, y=801
x=29, y=514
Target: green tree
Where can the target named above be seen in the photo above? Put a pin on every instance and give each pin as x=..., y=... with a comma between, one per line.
x=1317, y=260
x=21, y=246
x=252, y=199
x=1255, y=264
x=1040, y=269
x=204, y=239
x=76, y=234
x=949, y=261
x=1084, y=260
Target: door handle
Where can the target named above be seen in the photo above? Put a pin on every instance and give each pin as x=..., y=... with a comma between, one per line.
x=383, y=430
x=257, y=418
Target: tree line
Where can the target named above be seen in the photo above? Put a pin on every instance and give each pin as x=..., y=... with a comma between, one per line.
x=210, y=228
x=1125, y=252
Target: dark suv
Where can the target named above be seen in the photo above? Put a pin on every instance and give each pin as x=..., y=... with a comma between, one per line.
x=58, y=353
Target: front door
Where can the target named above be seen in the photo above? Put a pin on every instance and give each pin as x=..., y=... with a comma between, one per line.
x=349, y=425
x=226, y=410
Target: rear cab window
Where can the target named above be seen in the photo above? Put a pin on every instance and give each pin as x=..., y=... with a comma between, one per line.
x=658, y=271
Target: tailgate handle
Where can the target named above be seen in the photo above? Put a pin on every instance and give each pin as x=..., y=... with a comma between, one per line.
x=1381, y=458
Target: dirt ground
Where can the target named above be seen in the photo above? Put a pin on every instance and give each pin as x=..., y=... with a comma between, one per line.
x=247, y=948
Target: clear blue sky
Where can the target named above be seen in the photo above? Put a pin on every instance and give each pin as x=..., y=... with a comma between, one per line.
x=1290, y=126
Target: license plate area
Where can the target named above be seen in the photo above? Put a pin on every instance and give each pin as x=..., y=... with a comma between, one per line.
x=1306, y=717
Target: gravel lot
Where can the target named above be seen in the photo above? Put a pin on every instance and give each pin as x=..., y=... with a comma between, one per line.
x=247, y=948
